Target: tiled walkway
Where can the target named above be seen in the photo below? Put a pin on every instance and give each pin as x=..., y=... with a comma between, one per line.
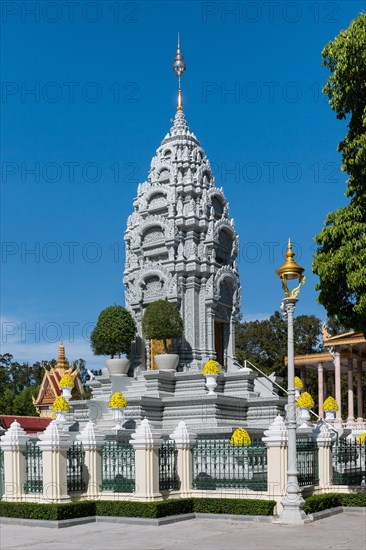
x=342, y=531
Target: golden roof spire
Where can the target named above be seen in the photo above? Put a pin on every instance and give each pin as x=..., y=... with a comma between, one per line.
x=62, y=363
x=179, y=67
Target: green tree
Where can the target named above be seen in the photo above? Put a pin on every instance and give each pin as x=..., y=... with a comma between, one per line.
x=114, y=332
x=340, y=260
x=7, y=402
x=162, y=321
x=23, y=404
x=264, y=343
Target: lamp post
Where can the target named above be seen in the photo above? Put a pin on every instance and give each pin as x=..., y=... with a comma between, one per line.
x=293, y=502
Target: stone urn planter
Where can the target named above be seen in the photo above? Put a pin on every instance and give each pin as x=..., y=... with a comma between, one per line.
x=167, y=361
x=118, y=367
x=329, y=416
x=118, y=417
x=66, y=392
x=211, y=383
x=60, y=416
x=303, y=414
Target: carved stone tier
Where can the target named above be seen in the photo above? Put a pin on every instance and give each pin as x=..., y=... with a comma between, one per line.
x=166, y=398
x=181, y=245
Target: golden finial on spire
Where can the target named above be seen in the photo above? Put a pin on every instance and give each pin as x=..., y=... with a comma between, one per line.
x=179, y=67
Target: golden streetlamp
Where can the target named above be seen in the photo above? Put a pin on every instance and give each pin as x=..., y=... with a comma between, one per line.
x=292, y=502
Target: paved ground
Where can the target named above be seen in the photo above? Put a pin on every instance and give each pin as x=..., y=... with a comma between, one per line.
x=342, y=531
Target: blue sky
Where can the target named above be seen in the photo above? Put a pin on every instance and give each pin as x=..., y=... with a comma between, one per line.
x=87, y=96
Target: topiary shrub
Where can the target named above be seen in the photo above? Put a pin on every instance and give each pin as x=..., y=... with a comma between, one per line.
x=317, y=503
x=114, y=332
x=126, y=508
x=55, y=512
x=250, y=507
x=162, y=321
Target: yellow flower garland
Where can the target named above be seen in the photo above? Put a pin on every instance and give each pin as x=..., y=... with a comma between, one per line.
x=117, y=400
x=211, y=367
x=298, y=383
x=240, y=438
x=305, y=400
x=60, y=404
x=362, y=439
x=67, y=381
x=330, y=404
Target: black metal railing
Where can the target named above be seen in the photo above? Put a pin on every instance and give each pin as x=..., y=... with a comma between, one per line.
x=75, y=467
x=349, y=462
x=118, y=467
x=219, y=465
x=168, y=470
x=33, y=468
x=307, y=462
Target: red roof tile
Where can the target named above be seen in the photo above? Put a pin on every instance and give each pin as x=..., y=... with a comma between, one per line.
x=31, y=424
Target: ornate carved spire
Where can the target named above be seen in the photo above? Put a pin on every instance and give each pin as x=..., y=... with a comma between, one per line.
x=62, y=363
x=179, y=67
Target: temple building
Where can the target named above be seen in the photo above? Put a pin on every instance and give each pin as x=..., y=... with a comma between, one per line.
x=181, y=245
x=343, y=354
x=50, y=388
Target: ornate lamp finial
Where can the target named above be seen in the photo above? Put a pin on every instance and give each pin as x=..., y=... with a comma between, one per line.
x=290, y=270
x=179, y=67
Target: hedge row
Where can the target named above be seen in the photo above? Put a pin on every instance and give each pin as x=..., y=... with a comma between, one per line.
x=35, y=510
x=245, y=507
x=317, y=503
x=159, y=509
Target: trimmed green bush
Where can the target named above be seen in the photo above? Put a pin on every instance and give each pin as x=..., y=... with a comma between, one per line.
x=317, y=503
x=114, y=332
x=354, y=499
x=161, y=321
x=35, y=510
x=144, y=509
x=250, y=507
x=126, y=508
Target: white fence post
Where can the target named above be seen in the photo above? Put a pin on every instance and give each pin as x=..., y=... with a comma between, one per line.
x=276, y=443
x=92, y=442
x=13, y=443
x=54, y=443
x=183, y=443
x=324, y=441
x=146, y=443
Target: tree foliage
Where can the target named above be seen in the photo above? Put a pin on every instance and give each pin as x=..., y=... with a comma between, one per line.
x=340, y=260
x=264, y=343
x=114, y=332
x=162, y=321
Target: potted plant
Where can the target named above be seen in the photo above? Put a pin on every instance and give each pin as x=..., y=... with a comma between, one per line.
x=162, y=321
x=330, y=406
x=117, y=404
x=304, y=403
x=60, y=407
x=298, y=386
x=113, y=335
x=211, y=370
x=66, y=384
